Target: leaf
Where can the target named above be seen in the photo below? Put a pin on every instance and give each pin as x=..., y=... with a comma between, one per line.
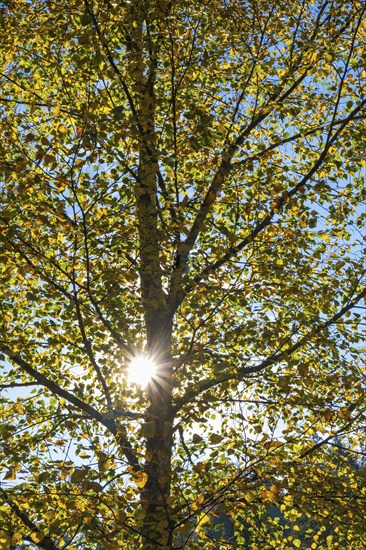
x=17, y=538
x=79, y=474
x=92, y=486
x=11, y=474
x=62, y=129
x=303, y=369
x=56, y=109
x=121, y=516
x=37, y=537
x=215, y=439
x=118, y=112
x=85, y=20
x=196, y=438
x=140, y=478
x=5, y=539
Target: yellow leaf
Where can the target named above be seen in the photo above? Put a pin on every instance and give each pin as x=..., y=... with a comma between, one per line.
x=49, y=515
x=10, y=474
x=325, y=237
x=18, y=408
x=56, y=110
x=37, y=537
x=5, y=539
x=272, y=444
x=62, y=129
x=17, y=538
x=297, y=543
x=202, y=519
x=140, y=478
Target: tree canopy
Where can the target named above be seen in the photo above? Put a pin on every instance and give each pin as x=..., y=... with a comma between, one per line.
x=182, y=181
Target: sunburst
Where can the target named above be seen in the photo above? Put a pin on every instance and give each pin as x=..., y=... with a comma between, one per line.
x=141, y=370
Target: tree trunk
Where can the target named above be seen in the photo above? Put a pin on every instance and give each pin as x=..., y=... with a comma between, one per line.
x=156, y=517
x=158, y=323
x=159, y=442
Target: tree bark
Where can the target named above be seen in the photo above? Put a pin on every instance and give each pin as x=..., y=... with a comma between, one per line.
x=157, y=520
x=155, y=527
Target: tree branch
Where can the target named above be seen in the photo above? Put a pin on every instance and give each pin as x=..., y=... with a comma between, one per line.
x=279, y=202
x=272, y=360
x=113, y=64
x=89, y=350
x=326, y=440
x=18, y=385
x=92, y=413
x=274, y=101
x=46, y=543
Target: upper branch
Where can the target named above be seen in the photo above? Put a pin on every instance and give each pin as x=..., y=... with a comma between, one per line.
x=297, y=73
x=112, y=63
x=278, y=203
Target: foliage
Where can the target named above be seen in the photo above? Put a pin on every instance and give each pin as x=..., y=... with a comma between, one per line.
x=184, y=180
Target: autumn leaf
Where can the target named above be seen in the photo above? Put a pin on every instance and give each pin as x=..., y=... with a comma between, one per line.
x=37, y=537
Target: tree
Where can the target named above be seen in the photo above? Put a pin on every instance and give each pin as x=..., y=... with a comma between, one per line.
x=181, y=181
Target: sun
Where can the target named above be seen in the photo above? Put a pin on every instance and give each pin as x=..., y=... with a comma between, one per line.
x=141, y=370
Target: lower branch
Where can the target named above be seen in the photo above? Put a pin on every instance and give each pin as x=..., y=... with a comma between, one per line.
x=45, y=542
x=92, y=413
